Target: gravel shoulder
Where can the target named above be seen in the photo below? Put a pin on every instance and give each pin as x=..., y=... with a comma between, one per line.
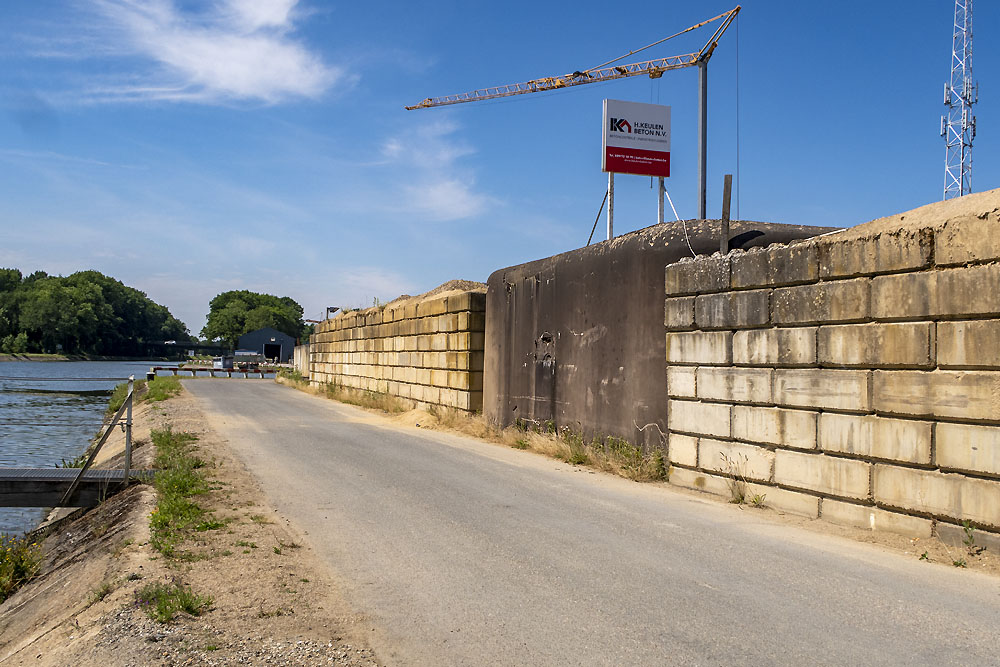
x=273, y=601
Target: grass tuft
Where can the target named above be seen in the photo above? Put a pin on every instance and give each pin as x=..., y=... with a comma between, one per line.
x=20, y=558
x=161, y=601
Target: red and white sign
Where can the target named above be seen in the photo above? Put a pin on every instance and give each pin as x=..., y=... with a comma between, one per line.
x=636, y=138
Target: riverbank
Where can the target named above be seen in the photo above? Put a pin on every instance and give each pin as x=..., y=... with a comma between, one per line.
x=79, y=357
x=273, y=601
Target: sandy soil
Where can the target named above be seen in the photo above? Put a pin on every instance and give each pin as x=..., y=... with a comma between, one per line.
x=274, y=602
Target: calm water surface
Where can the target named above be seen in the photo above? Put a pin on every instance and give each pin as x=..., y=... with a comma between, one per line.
x=43, y=421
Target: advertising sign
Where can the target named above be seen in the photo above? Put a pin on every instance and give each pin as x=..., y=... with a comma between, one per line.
x=636, y=138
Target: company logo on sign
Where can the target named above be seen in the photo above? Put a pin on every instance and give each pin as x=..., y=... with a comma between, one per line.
x=620, y=125
x=636, y=138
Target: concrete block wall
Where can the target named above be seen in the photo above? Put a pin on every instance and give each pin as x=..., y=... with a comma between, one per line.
x=427, y=352
x=857, y=373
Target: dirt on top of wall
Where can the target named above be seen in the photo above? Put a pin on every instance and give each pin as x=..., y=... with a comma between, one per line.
x=444, y=289
x=983, y=205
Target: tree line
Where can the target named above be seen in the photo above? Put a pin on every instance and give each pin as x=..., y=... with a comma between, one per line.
x=83, y=313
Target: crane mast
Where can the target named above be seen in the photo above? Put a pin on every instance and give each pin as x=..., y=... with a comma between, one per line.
x=958, y=127
x=654, y=69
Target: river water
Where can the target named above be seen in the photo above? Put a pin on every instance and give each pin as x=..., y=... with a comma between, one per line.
x=50, y=411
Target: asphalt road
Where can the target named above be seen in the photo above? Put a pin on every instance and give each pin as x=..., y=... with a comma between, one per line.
x=469, y=553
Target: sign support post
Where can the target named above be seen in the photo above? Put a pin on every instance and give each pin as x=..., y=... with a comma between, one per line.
x=659, y=201
x=611, y=205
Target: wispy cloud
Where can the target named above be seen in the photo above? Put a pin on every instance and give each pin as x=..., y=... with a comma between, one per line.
x=226, y=51
x=437, y=186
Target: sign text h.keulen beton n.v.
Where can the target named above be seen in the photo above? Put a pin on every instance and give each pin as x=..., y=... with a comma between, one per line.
x=636, y=138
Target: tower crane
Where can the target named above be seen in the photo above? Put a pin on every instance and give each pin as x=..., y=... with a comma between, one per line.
x=608, y=71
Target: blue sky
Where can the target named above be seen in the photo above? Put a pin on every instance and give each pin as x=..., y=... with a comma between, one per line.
x=191, y=147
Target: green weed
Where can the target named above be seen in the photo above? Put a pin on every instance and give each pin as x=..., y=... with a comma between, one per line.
x=179, y=480
x=20, y=558
x=161, y=601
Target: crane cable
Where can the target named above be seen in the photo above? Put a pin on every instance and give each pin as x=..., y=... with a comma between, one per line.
x=649, y=46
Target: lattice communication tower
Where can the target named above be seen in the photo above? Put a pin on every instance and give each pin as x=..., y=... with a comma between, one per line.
x=958, y=127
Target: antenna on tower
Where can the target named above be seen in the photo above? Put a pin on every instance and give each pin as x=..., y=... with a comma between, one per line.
x=958, y=127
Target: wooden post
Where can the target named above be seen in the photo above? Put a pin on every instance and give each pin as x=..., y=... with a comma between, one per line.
x=727, y=191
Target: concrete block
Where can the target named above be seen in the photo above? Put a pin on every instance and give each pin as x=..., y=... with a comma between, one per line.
x=967, y=240
x=956, y=394
x=698, y=276
x=733, y=310
x=735, y=385
x=788, y=502
x=681, y=381
x=822, y=388
x=682, y=449
x=700, y=347
x=775, y=347
x=876, y=437
x=700, y=481
x=874, y=519
x=432, y=307
x=874, y=345
x=734, y=458
x=968, y=344
x=954, y=535
x=968, y=447
x=846, y=478
x=786, y=265
x=945, y=293
x=678, y=313
x=904, y=250
x=700, y=418
x=839, y=301
x=775, y=426
x=939, y=494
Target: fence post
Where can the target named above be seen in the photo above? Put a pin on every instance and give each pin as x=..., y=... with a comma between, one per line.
x=128, y=429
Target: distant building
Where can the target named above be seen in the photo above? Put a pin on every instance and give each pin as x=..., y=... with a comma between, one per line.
x=270, y=343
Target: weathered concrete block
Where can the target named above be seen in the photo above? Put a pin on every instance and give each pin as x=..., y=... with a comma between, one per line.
x=839, y=301
x=736, y=385
x=700, y=418
x=789, y=502
x=946, y=293
x=733, y=310
x=967, y=240
x=904, y=250
x=955, y=536
x=939, y=494
x=735, y=458
x=786, y=265
x=822, y=388
x=682, y=449
x=472, y=301
x=700, y=347
x=700, y=481
x=834, y=476
x=876, y=437
x=874, y=345
x=875, y=519
x=957, y=394
x=682, y=381
x=968, y=344
x=698, y=276
x=775, y=426
x=775, y=347
x=968, y=447
x=678, y=313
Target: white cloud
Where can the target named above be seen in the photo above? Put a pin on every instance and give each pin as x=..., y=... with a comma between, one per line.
x=231, y=51
x=436, y=186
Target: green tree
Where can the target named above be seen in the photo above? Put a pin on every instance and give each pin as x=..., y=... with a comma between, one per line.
x=234, y=313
